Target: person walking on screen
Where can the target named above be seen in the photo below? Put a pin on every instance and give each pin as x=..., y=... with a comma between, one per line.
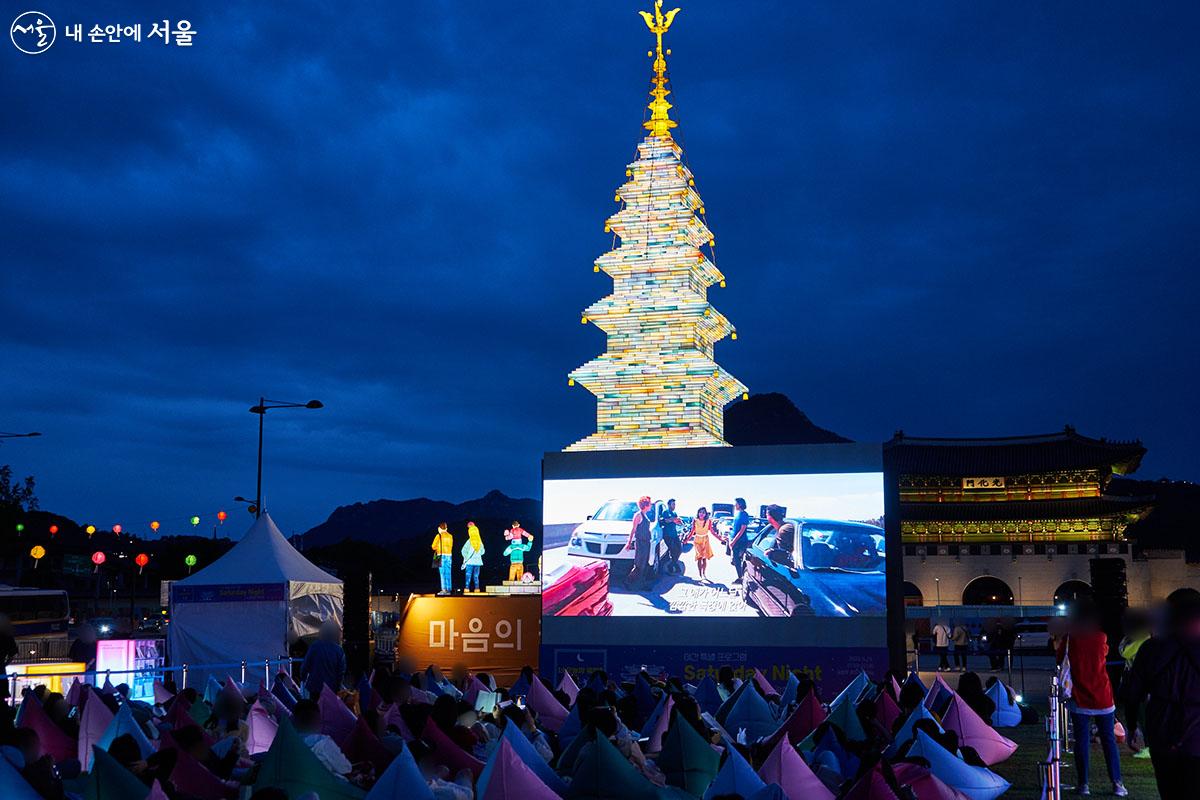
x=443, y=555
x=516, y=558
x=739, y=539
x=1086, y=649
x=941, y=645
x=472, y=554
x=701, y=538
x=639, y=542
x=669, y=523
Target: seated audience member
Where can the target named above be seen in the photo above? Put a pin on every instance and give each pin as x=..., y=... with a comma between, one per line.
x=37, y=769
x=191, y=741
x=445, y=714
x=523, y=719
x=726, y=682
x=605, y=721
x=688, y=709
x=970, y=689
x=58, y=711
x=157, y=767
x=228, y=716
x=306, y=717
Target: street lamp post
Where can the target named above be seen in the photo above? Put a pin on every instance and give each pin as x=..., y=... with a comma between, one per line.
x=938, y=583
x=265, y=405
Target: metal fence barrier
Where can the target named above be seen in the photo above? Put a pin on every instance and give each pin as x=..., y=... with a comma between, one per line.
x=97, y=678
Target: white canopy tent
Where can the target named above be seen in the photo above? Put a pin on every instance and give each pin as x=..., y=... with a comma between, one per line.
x=251, y=603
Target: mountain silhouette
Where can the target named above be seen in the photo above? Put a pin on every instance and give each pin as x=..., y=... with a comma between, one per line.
x=398, y=522
x=773, y=419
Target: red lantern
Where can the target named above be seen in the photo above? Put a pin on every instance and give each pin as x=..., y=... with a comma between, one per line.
x=97, y=559
x=117, y=529
x=142, y=560
x=221, y=515
x=53, y=529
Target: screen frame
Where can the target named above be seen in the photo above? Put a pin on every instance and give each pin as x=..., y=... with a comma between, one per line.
x=747, y=460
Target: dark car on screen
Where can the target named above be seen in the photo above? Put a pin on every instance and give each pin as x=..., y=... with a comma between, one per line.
x=842, y=579
x=851, y=546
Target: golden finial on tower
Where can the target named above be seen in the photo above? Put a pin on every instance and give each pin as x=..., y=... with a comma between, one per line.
x=660, y=123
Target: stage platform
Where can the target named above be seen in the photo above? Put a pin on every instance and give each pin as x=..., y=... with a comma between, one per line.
x=495, y=632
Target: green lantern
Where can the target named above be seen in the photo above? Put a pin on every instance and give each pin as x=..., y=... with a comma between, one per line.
x=190, y=561
x=195, y=521
x=20, y=527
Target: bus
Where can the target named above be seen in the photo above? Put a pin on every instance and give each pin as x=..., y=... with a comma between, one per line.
x=39, y=619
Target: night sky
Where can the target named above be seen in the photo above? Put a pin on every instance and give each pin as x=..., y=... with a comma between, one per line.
x=951, y=218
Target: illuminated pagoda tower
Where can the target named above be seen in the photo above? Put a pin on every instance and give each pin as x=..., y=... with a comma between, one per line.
x=657, y=384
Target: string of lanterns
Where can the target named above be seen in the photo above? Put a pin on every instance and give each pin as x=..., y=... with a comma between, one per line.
x=98, y=558
x=118, y=529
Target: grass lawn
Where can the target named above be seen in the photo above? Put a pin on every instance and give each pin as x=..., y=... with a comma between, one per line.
x=1023, y=772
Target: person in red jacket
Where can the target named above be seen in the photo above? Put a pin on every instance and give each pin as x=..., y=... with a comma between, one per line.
x=1086, y=648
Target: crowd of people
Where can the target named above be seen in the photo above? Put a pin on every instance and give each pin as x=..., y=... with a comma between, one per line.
x=419, y=733
x=408, y=733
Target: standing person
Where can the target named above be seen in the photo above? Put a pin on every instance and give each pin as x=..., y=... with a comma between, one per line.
x=701, y=538
x=516, y=558
x=669, y=523
x=639, y=543
x=960, y=639
x=996, y=641
x=472, y=553
x=1138, y=631
x=1166, y=678
x=941, y=645
x=443, y=554
x=739, y=540
x=8, y=645
x=1086, y=649
x=325, y=662
x=83, y=649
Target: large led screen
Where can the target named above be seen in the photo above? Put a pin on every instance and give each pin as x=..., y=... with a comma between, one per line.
x=785, y=545
x=685, y=561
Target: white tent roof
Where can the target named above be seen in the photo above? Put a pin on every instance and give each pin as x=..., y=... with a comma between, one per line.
x=262, y=556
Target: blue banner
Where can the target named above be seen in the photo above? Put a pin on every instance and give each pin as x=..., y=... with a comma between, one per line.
x=229, y=593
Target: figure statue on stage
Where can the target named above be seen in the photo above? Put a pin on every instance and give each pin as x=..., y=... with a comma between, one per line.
x=472, y=554
x=443, y=556
x=516, y=533
x=516, y=551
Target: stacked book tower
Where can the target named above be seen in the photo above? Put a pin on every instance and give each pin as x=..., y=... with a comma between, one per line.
x=657, y=384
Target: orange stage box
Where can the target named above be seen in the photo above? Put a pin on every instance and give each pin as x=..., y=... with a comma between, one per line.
x=497, y=635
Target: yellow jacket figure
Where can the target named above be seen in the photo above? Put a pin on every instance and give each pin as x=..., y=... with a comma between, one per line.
x=443, y=552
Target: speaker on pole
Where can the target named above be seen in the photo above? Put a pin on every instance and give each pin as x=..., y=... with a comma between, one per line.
x=1111, y=593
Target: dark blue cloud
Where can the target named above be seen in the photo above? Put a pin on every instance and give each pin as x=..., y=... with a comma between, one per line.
x=953, y=219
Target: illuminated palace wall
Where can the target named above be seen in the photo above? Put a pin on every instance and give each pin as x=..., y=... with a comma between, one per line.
x=657, y=384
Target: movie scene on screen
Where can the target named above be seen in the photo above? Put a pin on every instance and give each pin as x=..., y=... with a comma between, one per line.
x=721, y=546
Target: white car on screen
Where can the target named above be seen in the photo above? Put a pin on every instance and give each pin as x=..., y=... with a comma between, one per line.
x=604, y=534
